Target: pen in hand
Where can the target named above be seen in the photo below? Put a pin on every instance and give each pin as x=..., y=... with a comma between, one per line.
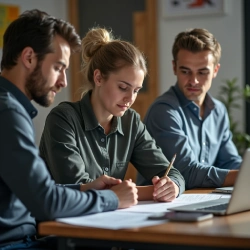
x=166, y=173
x=170, y=165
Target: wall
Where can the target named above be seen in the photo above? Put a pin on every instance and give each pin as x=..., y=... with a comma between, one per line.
x=228, y=29
x=57, y=8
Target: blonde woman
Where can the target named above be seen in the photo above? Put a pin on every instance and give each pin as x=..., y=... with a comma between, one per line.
x=101, y=134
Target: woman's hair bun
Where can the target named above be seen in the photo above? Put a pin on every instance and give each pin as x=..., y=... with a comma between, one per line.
x=93, y=41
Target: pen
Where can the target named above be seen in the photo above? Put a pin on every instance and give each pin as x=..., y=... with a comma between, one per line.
x=170, y=165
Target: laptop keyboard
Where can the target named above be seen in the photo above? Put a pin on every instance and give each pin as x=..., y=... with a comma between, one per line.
x=215, y=207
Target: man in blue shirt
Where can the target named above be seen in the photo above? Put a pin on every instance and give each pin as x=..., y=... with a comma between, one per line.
x=36, y=53
x=187, y=121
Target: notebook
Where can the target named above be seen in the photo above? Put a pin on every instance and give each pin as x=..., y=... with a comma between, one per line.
x=240, y=198
x=223, y=190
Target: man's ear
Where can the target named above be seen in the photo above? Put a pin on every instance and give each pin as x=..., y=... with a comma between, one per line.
x=216, y=69
x=28, y=58
x=97, y=77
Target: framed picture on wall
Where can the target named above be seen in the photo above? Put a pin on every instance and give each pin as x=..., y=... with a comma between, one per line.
x=191, y=8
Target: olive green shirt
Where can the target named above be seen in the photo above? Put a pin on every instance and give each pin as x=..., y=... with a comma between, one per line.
x=76, y=148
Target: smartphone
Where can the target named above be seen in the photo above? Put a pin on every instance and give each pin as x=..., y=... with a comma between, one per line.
x=181, y=216
x=224, y=190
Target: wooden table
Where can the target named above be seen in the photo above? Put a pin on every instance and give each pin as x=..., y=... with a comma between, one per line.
x=225, y=232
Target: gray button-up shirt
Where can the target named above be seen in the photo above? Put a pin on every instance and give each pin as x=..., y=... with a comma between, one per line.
x=76, y=149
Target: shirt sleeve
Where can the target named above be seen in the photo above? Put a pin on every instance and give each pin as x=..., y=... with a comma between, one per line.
x=227, y=156
x=165, y=125
x=150, y=161
x=72, y=186
x=59, y=148
x=26, y=176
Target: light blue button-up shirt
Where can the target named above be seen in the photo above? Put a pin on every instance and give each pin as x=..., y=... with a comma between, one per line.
x=204, y=147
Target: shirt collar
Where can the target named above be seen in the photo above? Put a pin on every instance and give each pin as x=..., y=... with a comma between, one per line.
x=209, y=103
x=90, y=120
x=19, y=95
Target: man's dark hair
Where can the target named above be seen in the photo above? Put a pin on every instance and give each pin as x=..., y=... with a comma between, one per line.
x=197, y=40
x=35, y=29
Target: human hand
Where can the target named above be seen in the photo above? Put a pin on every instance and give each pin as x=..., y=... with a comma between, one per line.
x=230, y=178
x=126, y=193
x=103, y=182
x=164, y=189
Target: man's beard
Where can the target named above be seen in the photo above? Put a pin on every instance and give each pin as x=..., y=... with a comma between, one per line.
x=36, y=87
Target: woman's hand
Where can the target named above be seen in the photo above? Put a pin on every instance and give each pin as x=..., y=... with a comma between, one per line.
x=164, y=189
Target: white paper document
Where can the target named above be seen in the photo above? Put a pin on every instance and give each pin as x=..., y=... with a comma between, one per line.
x=136, y=216
x=113, y=220
x=158, y=207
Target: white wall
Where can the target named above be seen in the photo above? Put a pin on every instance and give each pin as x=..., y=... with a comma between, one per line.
x=228, y=30
x=56, y=8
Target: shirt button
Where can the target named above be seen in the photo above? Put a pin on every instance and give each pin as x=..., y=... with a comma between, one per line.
x=102, y=140
x=106, y=169
x=195, y=109
x=204, y=143
x=202, y=161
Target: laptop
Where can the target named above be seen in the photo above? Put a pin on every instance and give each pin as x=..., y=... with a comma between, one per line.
x=240, y=198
